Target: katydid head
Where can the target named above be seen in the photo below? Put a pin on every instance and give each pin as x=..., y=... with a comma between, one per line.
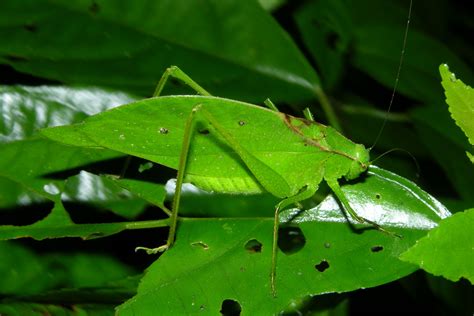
x=360, y=162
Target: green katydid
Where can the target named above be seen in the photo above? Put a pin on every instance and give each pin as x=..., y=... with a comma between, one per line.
x=259, y=149
x=313, y=152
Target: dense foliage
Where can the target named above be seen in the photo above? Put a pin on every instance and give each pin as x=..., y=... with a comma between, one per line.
x=65, y=62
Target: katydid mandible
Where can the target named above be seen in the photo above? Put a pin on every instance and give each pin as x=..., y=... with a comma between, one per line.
x=303, y=153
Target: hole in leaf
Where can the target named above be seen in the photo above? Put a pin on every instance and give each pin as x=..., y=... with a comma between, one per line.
x=15, y=58
x=203, y=131
x=230, y=308
x=376, y=248
x=94, y=8
x=332, y=39
x=253, y=246
x=31, y=27
x=377, y=196
x=200, y=244
x=322, y=266
x=290, y=239
x=163, y=130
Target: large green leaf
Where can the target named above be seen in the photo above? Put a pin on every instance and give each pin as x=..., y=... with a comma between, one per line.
x=233, y=48
x=447, y=250
x=229, y=259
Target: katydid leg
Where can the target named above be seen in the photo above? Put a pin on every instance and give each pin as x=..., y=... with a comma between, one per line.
x=269, y=104
x=188, y=133
x=306, y=193
x=336, y=188
x=308, y=115
x=177, y=73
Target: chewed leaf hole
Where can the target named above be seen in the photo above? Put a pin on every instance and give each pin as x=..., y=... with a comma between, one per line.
x=378, y=196
x=94, y=8
x=291, y=239
x=31, y=27
x=230, y=308
x=376, y=248
x=204, y=131
x=253, y=246
x=200, y=244
x=322, y=266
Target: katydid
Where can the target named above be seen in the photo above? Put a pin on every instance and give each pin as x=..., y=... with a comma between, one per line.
x=258, y=149
x=289, y=158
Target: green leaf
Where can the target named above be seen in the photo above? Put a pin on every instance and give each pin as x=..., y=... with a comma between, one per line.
x=29, y=274
x=152, y=192
x=470, y=156
x=24, y=110
x=36, y=309
x=447, y=144
x=229, y=259
x=37, y=274
x=447, y=250
x=103, y=192
x=224, y=45
x=460, y=99
x=271, y=5
x=25, y=162
x=58, y=224
x=80, y=270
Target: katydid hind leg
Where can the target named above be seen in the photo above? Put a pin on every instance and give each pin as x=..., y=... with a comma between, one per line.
x=336, y=188
x=188, y=132
x=271, y=180
x=177, y=73
x=306, y=193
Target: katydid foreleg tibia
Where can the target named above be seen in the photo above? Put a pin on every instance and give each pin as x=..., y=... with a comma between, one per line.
x=310, y=153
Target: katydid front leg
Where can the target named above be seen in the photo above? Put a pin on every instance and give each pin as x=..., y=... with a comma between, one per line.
x=177, y=73
x=336, y=188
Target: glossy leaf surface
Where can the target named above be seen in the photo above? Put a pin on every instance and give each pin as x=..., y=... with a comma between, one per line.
x=232, y=256
x=24, y=110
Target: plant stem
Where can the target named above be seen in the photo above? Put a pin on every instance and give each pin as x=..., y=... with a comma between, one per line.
x=328, y=109
x=148, y=224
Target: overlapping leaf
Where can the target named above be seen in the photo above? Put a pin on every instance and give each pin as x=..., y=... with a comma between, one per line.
x=447, y=250
x=460, y=99
x=229, y=259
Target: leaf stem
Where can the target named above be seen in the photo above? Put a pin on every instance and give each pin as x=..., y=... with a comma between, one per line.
x=148, y=224
x=328, y=109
